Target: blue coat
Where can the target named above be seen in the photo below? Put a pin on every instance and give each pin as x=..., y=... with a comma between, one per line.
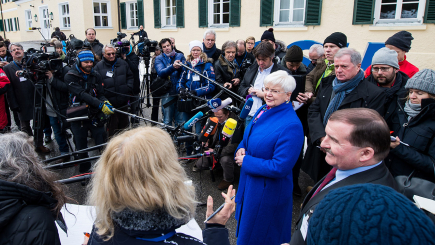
x=202, y=87
x=264, y=198
x=164, y=68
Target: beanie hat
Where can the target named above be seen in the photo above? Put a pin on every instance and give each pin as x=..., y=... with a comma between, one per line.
x=368, y=214
x=401, y=40
x=385, y=56
x=423, y=80
x=337, y=38
x=86, y=55
x=268, y=34
x=294, y=54
x=195, y=43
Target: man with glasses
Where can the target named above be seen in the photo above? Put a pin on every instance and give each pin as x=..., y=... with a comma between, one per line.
x=118, y=81
x=21, y=95
x=386, y=75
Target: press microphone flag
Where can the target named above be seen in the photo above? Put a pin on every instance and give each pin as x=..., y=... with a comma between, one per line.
x=224, y=103
x=229, y=128
x=214, y=103
x=209, y=129
x=189, y=124
x=246, y=108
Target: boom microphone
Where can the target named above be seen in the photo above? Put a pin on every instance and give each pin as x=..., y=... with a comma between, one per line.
x=209, y=129
x=189, y=124
x=246, y=108
x=224, y=103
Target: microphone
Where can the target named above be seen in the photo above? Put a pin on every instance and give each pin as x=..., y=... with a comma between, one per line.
x=35, y=28
x=224, y=103
x=246, y=108
x=200, y=155
x=189, y=124
x=186, y=138
x=209, y=129
x=214, y=103
x=227, y=134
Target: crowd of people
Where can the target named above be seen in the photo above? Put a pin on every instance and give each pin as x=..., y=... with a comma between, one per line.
x=362, y=129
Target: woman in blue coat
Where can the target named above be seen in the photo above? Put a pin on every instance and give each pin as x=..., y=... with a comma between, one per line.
x=271, y=145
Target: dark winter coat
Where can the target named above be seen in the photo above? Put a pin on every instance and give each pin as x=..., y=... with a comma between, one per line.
x=280, y=51
x=419, y=133
x=26, y=216
x=97, y=47
x=391, y=105
x=165, y=69
x=85, y=90
x=8, y=58
x=133, y=62
x=121, y=82
x=59, y=91
x=21, y=93
x=59, y=35
x=302, y=70
x=225, y=74
x=244, y=62
x=365, y=95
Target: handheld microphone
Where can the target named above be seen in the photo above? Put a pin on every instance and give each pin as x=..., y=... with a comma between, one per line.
x=189, y=124
x=209, y=129
x=214, y=103
x=224, y=103
x=186, y=138
x=34, y=28
x=227, y=133
x=246, y=108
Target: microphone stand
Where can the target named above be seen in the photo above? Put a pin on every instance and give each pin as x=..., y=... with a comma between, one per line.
x=69, y=164
x=75, y=179
x=75, y=152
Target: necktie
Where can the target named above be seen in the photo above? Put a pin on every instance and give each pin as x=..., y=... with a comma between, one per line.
x=330, y=176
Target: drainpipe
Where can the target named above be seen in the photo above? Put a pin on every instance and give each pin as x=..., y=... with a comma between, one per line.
x=1, y=9
x=119, y=16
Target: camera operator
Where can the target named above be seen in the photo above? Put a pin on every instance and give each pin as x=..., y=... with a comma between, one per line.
x=141, y=33
x=118, y=78
x=133, y=62
x=58, y=34
x=86, y=88
x=96, y=46
x=21, y=95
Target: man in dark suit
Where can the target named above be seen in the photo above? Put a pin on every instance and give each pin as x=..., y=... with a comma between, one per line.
x=356, y=142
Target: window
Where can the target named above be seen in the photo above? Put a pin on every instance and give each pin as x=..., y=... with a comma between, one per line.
x=28, y=16
x=399, y=11
x=219, y=13
x=101, y=13
x=132, y=15
x=65, y=22
x=289, y=12
x=169, y=13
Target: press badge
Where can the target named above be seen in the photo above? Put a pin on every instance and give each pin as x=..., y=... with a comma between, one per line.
x=22, y=79
x=304, y=227
x=195, y=77
x=109, y=73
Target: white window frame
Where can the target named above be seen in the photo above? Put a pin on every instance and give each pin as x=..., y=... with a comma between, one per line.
x=129, y=17
x=163, y=14
x=109, y=14
x=29, y=22
x=62, y=16
x=277, y=12
x=397, y=20
x=211, y=15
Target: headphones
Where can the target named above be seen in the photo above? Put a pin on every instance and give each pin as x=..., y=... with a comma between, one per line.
x=78, y=61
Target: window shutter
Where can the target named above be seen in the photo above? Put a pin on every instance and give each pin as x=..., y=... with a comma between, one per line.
x=429, y=15
x=203, y=13
x=140, y=14
x=1, y=25
x=266, y=13
x=363, y=12
x=180, y=13
x=157, y=23
x=313, y=12
x=16, y=24
x=234, y=12
x=123, y=16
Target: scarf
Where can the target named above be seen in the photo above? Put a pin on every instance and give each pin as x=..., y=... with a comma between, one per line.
x=393, y=90
x=209, y=52
x=412, y=110
x=232, y=66
x=195, y=61
x=341, y=90
x=171, y=54
x=83, y=73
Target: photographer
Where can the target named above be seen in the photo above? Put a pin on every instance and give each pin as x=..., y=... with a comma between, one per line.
x=58, y=34
x=167, y=68
x=86, y=88
x=21, y=95
x=141, y=33
x=118, y=85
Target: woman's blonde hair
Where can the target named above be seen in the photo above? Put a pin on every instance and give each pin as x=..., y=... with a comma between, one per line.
x=203, y=56
x=139, y=171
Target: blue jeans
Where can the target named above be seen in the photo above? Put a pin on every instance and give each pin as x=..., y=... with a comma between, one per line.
x=171, y=112
x=59, y=135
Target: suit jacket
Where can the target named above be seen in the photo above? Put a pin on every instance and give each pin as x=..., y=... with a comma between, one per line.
x=377, y=175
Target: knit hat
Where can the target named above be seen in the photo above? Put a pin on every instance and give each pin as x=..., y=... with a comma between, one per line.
x=401, y=40
x=86, y=55
x=423, y=80
x=294, y=54
x=195, y=43
x=385, y=56
x=368, y=214
x=337, y=38
x=268, y=34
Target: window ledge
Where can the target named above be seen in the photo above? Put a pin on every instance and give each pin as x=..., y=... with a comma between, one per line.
x=169, y=29
x=397, y=27
x=65, y=29
x=223, y=27
x=103, y=27
x=290, y=28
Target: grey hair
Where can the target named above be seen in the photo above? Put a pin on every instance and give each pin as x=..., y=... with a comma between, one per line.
x=281, y=78
x=318, y=48
x=108, y=46
x=15, y=44
x=355, y=56
x=210, y=31
x=229, y=44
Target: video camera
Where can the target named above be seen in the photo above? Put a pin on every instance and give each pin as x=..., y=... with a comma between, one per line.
x=37, y=62
x=146, y=46
x=72, y=46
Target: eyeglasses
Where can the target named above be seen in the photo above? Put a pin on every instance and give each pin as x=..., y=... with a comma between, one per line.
x=274, y=92
x=15, y=49
x=110, y=54
x=383, y=69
